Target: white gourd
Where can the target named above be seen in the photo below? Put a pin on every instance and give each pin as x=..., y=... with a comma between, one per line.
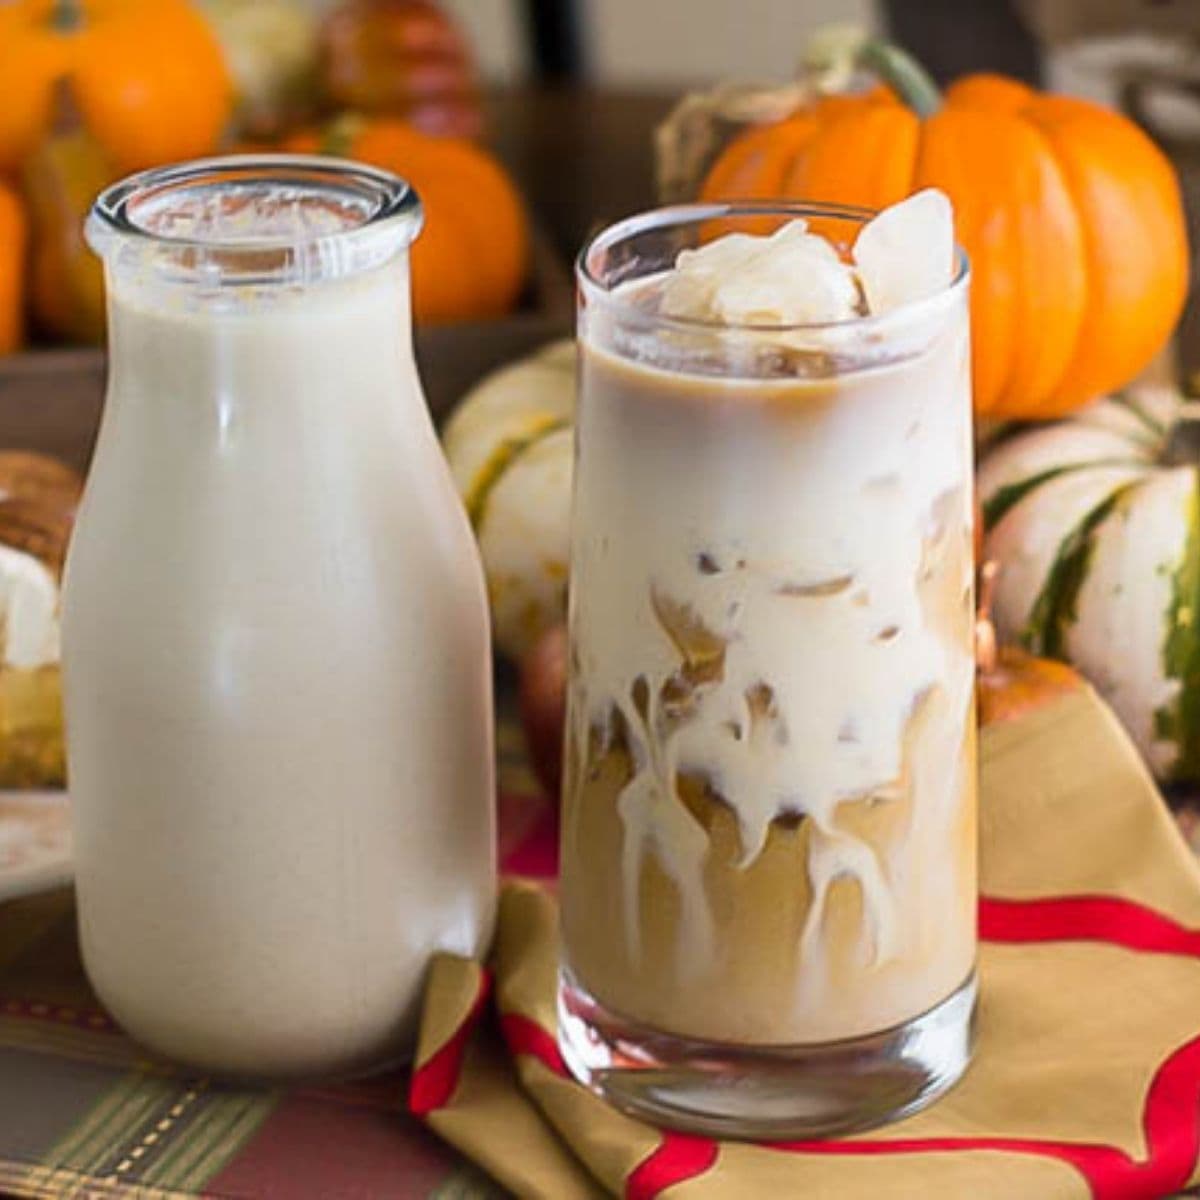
x=1095, y=522
x=509, y=445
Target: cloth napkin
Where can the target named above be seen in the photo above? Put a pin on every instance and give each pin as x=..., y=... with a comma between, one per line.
x=1086, y=1078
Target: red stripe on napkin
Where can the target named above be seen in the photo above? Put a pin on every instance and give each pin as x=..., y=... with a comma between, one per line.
x=525, y=1036
x=1086, y=918
x=434, y=1081
x=676, y=1158
x=1170, y=1117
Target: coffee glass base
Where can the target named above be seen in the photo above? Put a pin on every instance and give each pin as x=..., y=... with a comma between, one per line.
x=765, y=1092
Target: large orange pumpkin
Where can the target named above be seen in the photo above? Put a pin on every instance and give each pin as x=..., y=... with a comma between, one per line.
x=471, y=257
x=147, y=76
x=12, y=268
x=1070, y=214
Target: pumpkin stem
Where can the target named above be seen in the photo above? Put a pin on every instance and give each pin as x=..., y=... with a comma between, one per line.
x=834, y=53
x=67, y=15
x=903, y=74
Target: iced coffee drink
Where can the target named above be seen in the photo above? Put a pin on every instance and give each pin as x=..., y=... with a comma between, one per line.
x=768, y=877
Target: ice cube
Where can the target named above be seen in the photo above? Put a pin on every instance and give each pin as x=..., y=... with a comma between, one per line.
x=906, y=253
x=791, y=277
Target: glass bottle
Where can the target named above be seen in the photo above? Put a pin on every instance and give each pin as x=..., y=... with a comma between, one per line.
x=276, y=652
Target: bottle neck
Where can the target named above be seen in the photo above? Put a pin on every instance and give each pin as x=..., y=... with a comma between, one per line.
x=348, y=340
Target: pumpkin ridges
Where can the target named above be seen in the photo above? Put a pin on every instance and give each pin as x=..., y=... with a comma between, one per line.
x=1048, y=229
x=1023, y=220
x=149, y=78
x=880, y=172
x=1137, y=268
x=942, y=162
x=756, y=163
x=984, y=89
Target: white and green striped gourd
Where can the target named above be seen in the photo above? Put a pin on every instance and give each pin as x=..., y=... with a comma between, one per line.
x=1094, y=521
x=509, y=445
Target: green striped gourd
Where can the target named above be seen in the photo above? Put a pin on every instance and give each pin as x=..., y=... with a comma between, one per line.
x=1094, y=522
x=509, y=445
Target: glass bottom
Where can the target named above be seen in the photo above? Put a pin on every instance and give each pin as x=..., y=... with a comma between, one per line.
x=765, y=1092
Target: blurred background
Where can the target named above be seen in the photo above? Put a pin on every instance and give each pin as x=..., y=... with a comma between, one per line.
x=524, y=125
x=629, y=43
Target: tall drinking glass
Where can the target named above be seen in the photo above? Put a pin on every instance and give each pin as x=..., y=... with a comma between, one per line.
x=769, y=842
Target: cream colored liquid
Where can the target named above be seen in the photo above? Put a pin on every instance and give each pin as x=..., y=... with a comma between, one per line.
x=769, y=830
x=277, y=685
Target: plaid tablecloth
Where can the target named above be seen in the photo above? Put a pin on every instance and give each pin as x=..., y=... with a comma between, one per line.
x=85, y=1113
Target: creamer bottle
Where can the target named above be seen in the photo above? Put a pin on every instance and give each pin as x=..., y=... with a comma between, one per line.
x=276, y=651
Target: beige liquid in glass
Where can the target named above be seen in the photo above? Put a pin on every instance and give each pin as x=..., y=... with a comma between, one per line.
x=769, y=829
x=278, y=682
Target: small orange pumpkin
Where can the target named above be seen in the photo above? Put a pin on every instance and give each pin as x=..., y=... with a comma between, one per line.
x=1070, y=214
x=470, y=259
x=148, y=77
x=12, y=269
x=1018, y=683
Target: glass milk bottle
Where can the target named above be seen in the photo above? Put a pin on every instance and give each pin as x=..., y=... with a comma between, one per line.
x=277, y=666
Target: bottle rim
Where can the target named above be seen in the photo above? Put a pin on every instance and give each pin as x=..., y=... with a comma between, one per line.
x=257, y=218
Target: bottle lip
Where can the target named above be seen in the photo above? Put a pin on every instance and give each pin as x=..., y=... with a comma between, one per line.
x=595, y=287
x=256, y=218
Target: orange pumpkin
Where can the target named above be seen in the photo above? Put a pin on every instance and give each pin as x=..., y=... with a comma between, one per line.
x=1009, y=681
x=403, y=58
x=147, y=76
x=1070, y=214
x=1018, y=684
x=12, y=269
x=470, y=259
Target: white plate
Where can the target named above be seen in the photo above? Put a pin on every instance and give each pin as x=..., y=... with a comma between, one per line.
x=35, y=842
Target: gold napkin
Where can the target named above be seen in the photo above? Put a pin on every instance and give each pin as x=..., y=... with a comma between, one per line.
x=1086, y=1077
